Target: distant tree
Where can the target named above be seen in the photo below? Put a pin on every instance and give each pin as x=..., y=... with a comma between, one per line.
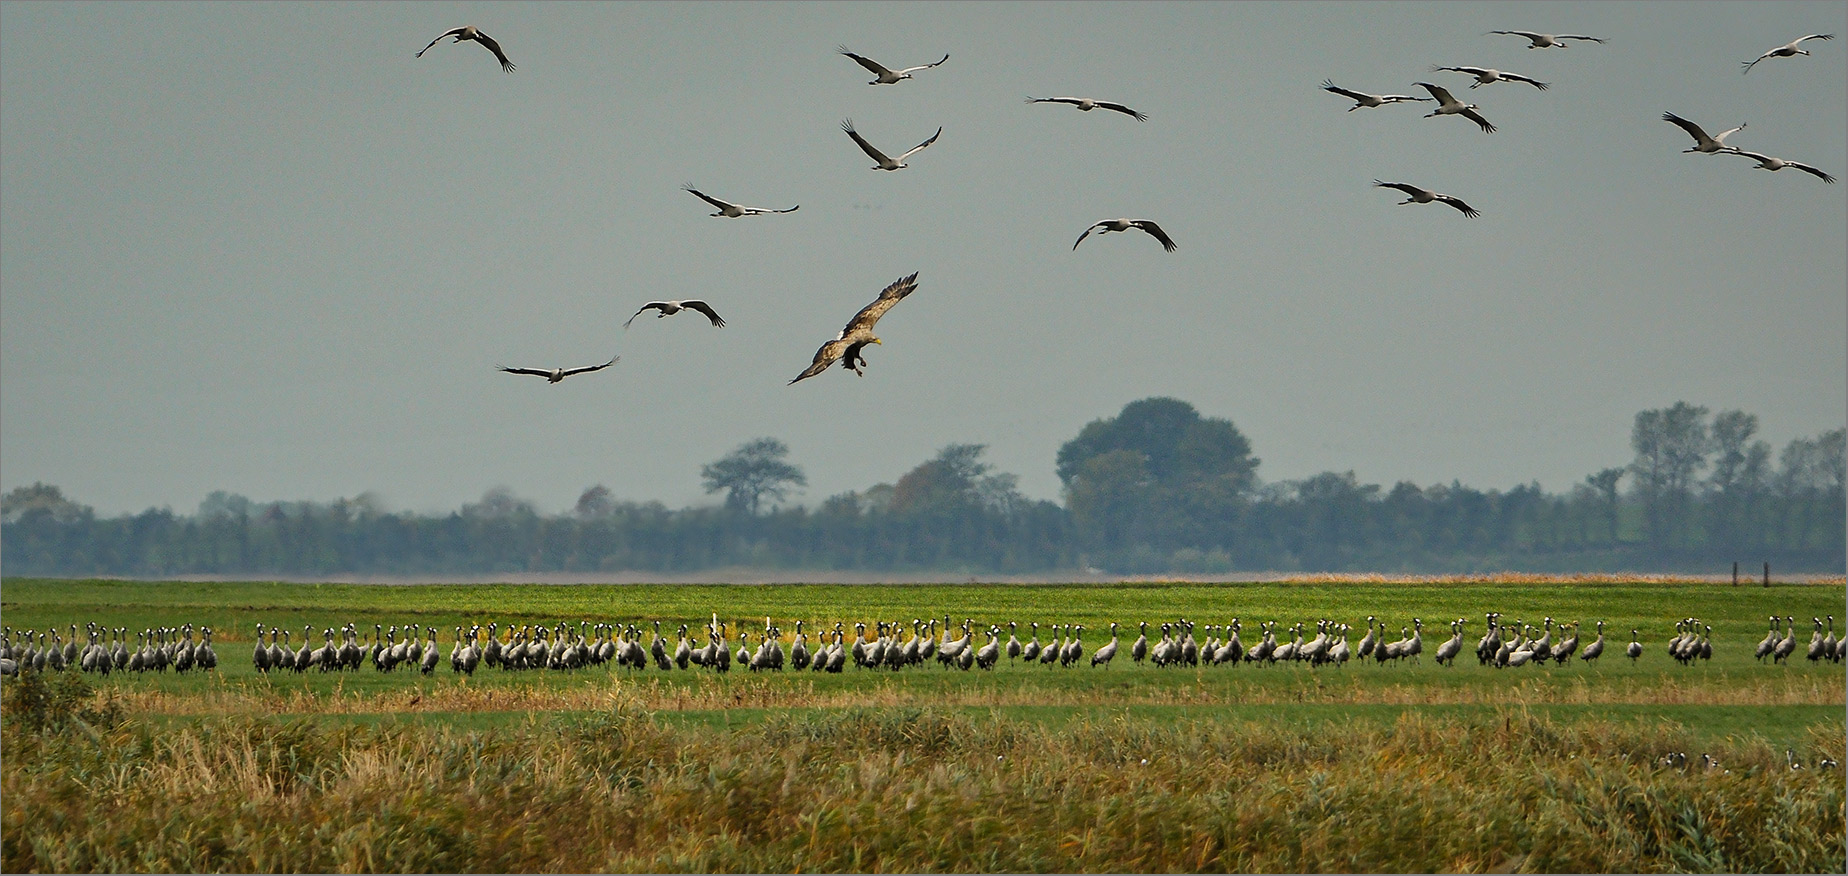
x=753, y=472
x=499, y=502
x=1105, y=495
x=841, y=505
x=364, y=505
x=1176, y=441
x=1604, y=485
x=1189, y=488
x=877, y=497
x=1336, y=513
x=596, y=501
x=1739, y=469
x=1671, y=447
x=220, y=504
x=1407, y=510
x=1810, y=484
x=1833, y=446
x=954, y=480
x=20, y=501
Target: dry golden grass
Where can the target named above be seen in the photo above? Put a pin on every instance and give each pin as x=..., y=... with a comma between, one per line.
x=909, y=789
x=707, y=693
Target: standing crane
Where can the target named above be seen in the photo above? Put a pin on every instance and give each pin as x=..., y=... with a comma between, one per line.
x=1787, y=645
x=1447, y=651
x=1105, y=654
x=1596, y=649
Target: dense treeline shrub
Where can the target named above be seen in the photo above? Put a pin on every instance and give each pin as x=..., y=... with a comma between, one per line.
x=1158, y=488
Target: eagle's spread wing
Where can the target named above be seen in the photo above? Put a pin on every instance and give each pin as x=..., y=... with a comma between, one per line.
x=824, y=357
x=870, y=314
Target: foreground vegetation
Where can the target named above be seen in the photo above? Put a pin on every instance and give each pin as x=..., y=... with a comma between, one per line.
x=900, y=789
x=1365, y=767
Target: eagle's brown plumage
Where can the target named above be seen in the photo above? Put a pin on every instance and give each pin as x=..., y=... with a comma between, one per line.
x=859, y=331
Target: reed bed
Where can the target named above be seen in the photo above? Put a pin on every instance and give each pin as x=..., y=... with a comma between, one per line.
x=904, y=788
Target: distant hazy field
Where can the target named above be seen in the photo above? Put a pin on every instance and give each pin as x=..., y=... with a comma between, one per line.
x=841, y=771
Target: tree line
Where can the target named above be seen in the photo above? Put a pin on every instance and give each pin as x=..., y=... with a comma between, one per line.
x=1156, y=488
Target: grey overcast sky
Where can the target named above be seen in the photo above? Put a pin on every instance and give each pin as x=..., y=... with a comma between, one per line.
x=261, y=248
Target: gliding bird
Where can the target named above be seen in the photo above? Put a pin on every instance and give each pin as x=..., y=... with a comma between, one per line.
x=1426, y=196
x=1086, y=104
x=469, y=32
x=1548, y=40
x=1766, y=162
x=886, y=77
x=1786, y=50
x=859, y=332
x=1109, y=225
x=1363, y=99
x=1486, y=75
x=1702, y=142
x=731, y=210
x=886, y=163
x=1450, y=106
x=669, y=308
x=557, y=374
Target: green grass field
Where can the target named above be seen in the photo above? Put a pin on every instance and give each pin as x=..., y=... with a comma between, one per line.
x=1577, y=746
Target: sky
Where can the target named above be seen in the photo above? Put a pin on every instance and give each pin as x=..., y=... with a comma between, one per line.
x=262, y=248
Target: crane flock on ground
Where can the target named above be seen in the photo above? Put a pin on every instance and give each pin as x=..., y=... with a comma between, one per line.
x=875, y=645
x=156, y=649
x=1447, y=105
